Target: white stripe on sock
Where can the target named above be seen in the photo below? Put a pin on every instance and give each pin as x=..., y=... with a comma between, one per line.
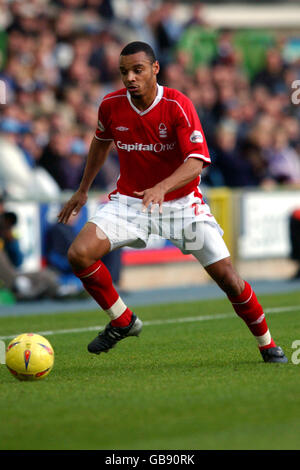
x=265, y=339
x=90, y=274
x=241, y=303
x=116, y=310
x=259, y=320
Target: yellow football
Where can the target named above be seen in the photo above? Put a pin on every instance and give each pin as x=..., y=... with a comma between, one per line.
x=29, y=356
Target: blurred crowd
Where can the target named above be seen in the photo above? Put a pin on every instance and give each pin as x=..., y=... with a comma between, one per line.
x=60, y=57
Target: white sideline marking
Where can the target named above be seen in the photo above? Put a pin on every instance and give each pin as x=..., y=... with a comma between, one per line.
x=159, y=322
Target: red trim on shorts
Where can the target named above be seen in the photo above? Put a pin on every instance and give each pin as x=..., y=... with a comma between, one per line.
x=155, y=256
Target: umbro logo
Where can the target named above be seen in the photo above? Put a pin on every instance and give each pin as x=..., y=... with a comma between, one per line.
x=122, y=129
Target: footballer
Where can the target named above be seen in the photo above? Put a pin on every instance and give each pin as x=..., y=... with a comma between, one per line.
x=162, y=151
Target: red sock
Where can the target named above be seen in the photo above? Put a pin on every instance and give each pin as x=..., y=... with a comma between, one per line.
x=249, y=309
x=97, y=280
x=124, y=319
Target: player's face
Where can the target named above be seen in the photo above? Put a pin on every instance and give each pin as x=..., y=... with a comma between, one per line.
x=138, y=74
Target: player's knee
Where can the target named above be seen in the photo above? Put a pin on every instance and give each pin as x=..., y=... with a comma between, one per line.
x=230, y=282
x=72, y=255
x=77, y=256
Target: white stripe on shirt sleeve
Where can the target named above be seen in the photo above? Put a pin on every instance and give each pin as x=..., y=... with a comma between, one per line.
x=99, y=138
x=198, y=155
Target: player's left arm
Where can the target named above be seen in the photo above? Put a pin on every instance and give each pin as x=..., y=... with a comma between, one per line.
x=186, y=172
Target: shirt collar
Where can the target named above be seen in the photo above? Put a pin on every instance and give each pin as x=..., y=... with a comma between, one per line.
x=159, y=94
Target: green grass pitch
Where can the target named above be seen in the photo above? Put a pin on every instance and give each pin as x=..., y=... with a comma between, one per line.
x=188, y=383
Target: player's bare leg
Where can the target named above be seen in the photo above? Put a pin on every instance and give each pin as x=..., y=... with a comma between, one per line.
x=247, y=307
x=84, y=255
x=89, y=246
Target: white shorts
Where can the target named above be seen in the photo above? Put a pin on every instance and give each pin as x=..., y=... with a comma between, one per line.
x=186, y=222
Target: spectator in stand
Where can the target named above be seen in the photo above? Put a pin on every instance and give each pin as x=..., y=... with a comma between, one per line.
x=283, y=160
x=19, y=176
x=53, y=155
x=226, y=155
x=197, y=16
x=24, y=286
x=103, y=7
x=273, y=75
x=240, y=166
x=248, y=112
x=292, y=126
x=226, y=53
x=166, y=31
x=72, y=165
x=11, y=244
x=208, y=112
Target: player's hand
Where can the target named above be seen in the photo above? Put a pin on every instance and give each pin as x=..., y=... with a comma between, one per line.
x=73, y=206
x=152, y=196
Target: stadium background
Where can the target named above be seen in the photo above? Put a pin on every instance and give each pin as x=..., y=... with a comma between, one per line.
x=237, y=63
x=194, y=380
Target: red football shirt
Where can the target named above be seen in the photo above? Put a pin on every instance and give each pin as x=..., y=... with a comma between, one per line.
x=152, y=143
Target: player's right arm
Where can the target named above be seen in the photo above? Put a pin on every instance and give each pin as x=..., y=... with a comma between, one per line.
x=98, y=152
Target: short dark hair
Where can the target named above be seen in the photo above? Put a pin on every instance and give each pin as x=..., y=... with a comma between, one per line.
x=139, y=46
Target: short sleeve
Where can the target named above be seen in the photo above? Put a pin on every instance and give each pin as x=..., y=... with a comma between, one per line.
x=103, y=128
x=190, y=133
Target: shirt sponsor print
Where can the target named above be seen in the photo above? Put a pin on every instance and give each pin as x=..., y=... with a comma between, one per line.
x=157, y=147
